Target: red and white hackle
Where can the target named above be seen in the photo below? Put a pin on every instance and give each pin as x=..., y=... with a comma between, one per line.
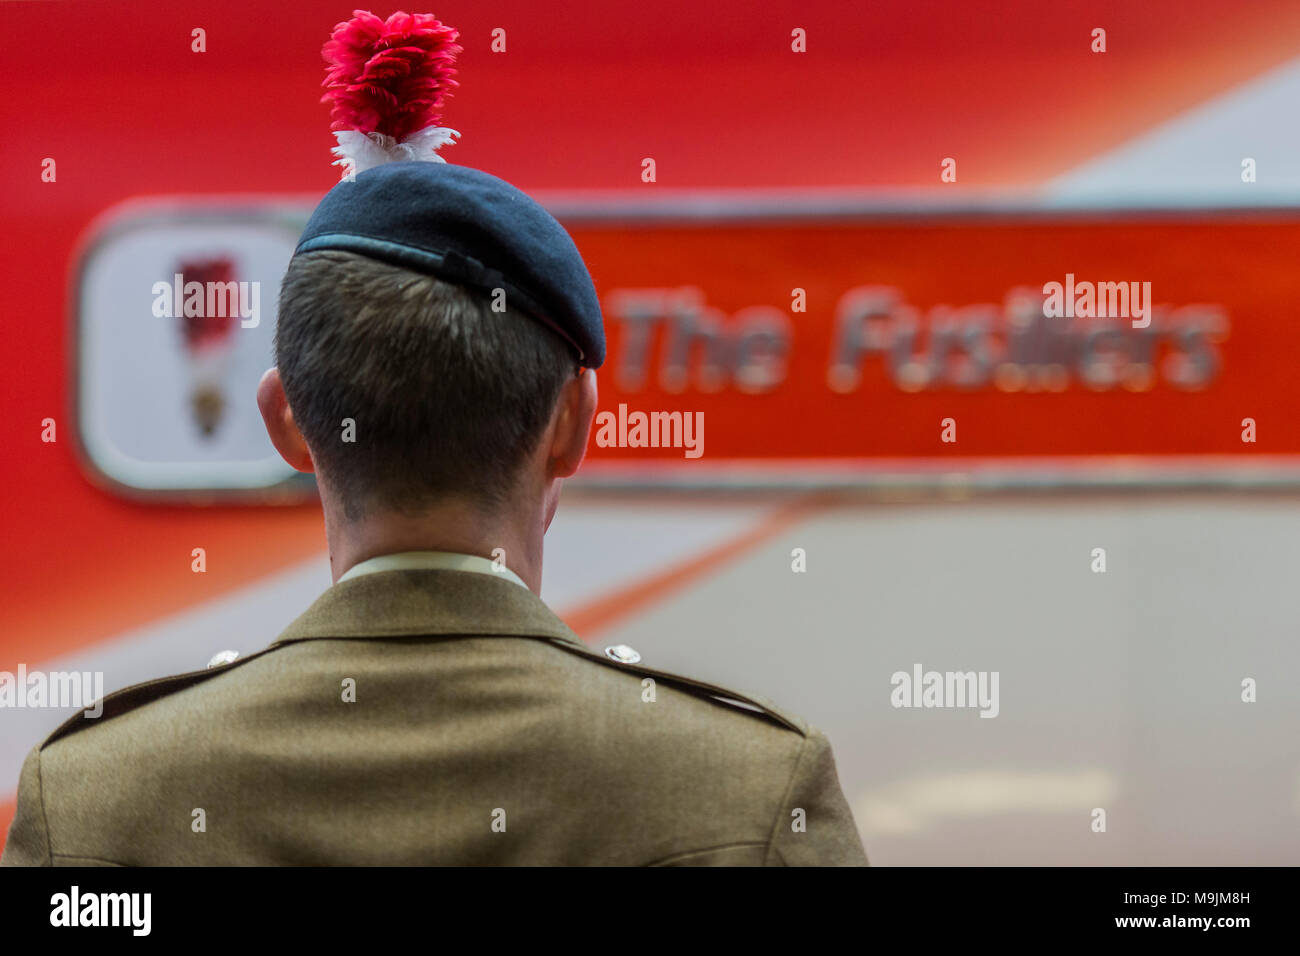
x=386, y=84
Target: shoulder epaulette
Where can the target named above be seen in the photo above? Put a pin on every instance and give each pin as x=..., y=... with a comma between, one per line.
x=750, y=703
x=137, y=695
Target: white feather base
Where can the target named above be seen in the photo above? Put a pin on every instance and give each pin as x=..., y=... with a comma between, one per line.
x=359, y=151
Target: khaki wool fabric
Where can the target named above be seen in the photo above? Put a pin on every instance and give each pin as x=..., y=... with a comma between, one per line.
x=474, y=704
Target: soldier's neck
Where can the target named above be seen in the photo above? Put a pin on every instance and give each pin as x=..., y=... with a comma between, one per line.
x=456, y=526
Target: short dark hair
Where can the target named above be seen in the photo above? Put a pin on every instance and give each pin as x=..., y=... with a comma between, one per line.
x=448, y=395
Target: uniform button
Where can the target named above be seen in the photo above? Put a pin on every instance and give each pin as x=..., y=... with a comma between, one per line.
x=222, y=658
x=622, y=653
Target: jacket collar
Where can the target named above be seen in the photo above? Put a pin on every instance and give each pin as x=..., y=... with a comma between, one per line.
x=416, y=602
x=430, y=560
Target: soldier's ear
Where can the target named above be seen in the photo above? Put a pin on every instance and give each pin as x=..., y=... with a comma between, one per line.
x=574, y=413
x=278, y=416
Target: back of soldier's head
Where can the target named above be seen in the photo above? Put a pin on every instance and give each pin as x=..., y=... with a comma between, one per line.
x=408, y=388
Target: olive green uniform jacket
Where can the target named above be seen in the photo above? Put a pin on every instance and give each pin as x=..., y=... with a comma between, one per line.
x=431, y=717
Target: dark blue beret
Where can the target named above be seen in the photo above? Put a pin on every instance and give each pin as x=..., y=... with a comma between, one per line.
x=466, y=227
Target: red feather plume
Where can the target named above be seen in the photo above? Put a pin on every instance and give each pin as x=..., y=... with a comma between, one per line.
x=392, y=76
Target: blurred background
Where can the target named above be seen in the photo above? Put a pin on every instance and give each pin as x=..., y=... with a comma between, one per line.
x=826, y=229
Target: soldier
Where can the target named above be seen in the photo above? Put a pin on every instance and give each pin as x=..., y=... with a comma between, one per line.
x=436, y=349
